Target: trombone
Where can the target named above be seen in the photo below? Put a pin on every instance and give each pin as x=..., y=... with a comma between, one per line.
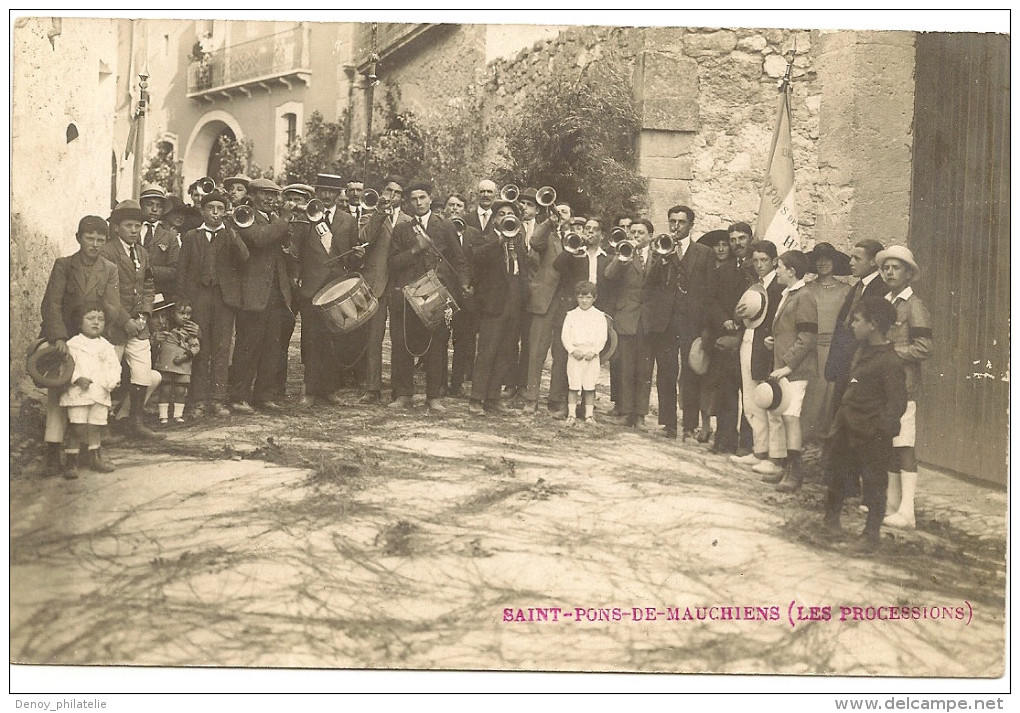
x=574, y=244
x=509, y=192
x=664, y=244
x=243, y=216
x=545, y=196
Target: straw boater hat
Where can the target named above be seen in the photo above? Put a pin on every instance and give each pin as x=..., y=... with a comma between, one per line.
x=756, y=303
x=611, y=343
x=239, y=178
x=898, y=252
x=773, y=395
x=330, y=180
x=152, y=190
x=48, y=368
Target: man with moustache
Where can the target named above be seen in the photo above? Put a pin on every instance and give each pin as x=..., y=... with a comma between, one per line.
x=479, y=218
x=465, y=322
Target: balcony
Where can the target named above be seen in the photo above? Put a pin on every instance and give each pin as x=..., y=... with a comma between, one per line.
x=390, y=37
x=276, y=60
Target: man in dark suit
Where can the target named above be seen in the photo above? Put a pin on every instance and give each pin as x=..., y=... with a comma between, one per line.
x=677, y=292
x=426, y=243
x=265, y=303
x=379, y=234
x=465, y=322
x=159, y=242
x=741, y=237
x=843, y=345
x=499, y=272
x=319, y=263
x=130, y=338
x=627, y=275
x=209, y=277
x=481, y=214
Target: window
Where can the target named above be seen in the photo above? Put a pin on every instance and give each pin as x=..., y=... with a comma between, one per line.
x=290, y=128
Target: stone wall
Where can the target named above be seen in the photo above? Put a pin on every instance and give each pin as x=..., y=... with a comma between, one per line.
x=63, y=74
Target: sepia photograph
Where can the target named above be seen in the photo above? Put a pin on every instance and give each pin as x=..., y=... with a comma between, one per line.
x=563, y=342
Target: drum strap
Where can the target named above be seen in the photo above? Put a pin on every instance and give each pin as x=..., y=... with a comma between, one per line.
x=407, y=345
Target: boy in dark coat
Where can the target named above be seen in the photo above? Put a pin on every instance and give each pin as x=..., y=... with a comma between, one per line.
x=868, y=418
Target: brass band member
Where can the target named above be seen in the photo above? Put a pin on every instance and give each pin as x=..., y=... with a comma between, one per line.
x=426, y=243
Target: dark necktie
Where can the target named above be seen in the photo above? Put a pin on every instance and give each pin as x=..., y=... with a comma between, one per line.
x=134, y=256
x=147, y=233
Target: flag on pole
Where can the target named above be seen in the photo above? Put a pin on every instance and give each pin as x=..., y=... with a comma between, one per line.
x=132, y=138
x=777, y=213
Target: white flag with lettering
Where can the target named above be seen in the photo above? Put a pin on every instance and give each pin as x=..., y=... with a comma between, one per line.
x=777, y=213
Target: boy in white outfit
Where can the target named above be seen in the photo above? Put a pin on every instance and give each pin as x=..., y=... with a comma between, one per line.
x=585, y=332
x=87, y=399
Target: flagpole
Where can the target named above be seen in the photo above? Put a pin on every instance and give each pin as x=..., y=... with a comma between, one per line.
x=784, y=87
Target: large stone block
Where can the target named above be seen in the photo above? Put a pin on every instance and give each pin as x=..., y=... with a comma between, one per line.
x=654, y=142
x=714, y=43
x=669, y=89
x=657, y=167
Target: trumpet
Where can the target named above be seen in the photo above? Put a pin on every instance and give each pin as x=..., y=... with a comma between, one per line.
x=574, y=244
x=617, y=236
x=625, y=250
x=509, y=227
x=243, y=216
x=509, y=192
x=545, y=196
x=315, y=210
x=664, y=244
x=206, y=185
x=458, y=224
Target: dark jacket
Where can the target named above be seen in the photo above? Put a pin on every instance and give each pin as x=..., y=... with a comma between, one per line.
x=573, y=269
x=379, y=234
x=628, y=280
x=219, y=262
x=73, y=283
x=408, y=262
x=876, y=398
x=490, y=276
x=677, y=290
x=843, y=345
x=136, y=287
x=266, y=267
x=316, y=267
x=164, y=255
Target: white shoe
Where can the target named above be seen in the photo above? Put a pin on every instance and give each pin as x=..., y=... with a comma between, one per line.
x=898, y=519
x=749, y=460
x=767, y=467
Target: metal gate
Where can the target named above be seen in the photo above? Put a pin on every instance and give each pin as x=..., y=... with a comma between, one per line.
x=959, y=233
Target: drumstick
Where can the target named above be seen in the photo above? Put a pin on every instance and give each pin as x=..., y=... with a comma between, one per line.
x=345, y=254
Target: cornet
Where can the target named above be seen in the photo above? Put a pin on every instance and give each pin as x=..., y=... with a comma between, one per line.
x=458, y=224
x=574, y=244
x=509, y=227
x=664, y=244
x=243, y=216
x=509, y=192
x=616, y=236
x=546, y=196
x=315, y=210
x=625, y=250
x=206, y=185
x=371, y=200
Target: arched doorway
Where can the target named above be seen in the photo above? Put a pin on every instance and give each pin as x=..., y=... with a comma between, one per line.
x=213, y=168
x=199, y=159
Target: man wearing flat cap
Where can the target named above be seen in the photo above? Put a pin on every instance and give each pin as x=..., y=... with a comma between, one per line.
x=265, y=303
x=160, y=242
x=130, y=338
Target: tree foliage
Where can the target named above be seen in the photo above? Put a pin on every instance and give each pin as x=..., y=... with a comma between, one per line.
x=315, y=151
x=234, y=157
x=162, y=168
x=580, y=137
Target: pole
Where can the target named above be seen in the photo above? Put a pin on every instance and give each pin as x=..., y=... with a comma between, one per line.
x=143, y=101
x=371, y=80
x=785, y=86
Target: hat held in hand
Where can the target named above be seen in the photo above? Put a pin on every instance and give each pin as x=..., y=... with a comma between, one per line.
x=773, y=395
x=48, y=368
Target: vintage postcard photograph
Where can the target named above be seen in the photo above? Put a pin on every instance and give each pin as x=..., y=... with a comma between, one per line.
x=610, y=342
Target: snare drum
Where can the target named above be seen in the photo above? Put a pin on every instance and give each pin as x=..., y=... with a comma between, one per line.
x=346, y=303
x=431, y=301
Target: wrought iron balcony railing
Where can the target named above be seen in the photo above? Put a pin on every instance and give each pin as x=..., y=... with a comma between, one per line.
x=282, y=57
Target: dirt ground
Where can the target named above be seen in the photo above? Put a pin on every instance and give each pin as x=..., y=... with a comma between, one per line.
x=356, y=537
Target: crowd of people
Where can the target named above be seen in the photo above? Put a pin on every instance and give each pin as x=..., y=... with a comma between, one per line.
x=760, y=352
